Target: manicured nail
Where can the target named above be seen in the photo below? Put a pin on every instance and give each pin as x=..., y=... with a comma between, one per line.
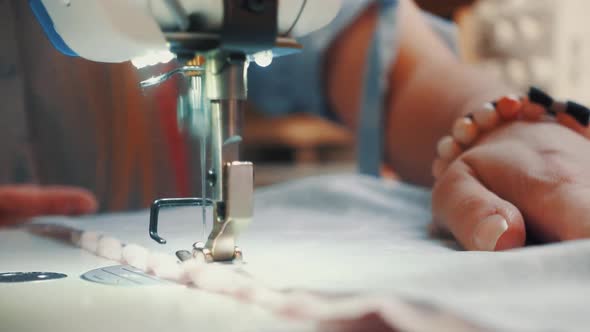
x=489, y=231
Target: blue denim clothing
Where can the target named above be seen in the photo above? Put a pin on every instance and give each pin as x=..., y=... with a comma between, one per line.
x=296, y=83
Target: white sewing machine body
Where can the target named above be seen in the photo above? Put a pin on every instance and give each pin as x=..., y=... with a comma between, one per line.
x=119, y=31
x=214, y=41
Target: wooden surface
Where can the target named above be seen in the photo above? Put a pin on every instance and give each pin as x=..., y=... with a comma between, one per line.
x=306, y=135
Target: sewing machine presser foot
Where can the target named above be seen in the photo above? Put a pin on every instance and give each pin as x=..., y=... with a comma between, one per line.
x=202, y=254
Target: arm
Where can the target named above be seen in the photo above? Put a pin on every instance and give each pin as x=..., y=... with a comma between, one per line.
x=430, y=89
x=20, y=203
x=521, y=181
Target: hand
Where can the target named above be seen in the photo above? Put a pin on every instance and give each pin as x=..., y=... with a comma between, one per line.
x=523, y=180
x=19, y=203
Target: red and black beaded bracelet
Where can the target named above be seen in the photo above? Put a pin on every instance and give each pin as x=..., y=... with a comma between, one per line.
x=535, y=106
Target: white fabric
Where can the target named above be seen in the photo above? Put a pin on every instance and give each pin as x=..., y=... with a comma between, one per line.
x=365, y=235
x=356, y=235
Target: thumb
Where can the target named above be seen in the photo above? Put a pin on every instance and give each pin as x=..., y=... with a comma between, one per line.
x=478, y=218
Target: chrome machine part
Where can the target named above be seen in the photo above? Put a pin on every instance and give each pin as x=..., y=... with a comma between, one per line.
x=231, y=181
x=213, y=109
x=225, y=79
x=156, y=80
x=234, y=212
x=201, y=252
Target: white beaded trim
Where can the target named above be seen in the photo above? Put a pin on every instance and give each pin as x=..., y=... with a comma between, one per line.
x=228, y=280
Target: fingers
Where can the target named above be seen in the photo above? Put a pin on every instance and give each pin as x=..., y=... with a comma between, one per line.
x=25, y=201
x=477, y=218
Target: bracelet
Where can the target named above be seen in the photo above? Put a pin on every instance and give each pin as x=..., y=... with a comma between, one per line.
x=535, y=106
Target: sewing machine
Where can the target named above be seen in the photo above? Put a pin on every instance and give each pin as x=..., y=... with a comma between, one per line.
x=214, y=42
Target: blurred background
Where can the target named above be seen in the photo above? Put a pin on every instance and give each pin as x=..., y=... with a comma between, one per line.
x=70, y=121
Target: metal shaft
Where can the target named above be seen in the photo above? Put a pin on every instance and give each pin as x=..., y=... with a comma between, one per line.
x=226, y=89
x=226, y=136
x=231, y=180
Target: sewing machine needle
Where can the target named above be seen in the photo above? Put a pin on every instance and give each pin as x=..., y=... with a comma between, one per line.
x=201, y=102
x=203, y=184
x=200, y=128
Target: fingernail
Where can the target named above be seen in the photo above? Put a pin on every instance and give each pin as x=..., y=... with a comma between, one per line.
x=489, y=231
